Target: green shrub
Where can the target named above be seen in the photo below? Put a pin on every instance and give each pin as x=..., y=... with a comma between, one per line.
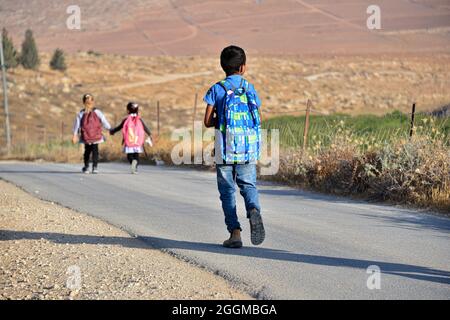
x=29, y=56
x=58, y=61
x=9, y=52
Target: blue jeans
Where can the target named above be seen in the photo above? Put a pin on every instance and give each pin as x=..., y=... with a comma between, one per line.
x=244, y=175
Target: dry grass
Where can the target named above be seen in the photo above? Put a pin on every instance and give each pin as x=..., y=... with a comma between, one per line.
x=415, y=172
x=52, y=152
x=66, y=152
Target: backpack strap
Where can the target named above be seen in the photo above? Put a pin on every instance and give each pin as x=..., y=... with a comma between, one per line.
x=227, y=85
x=245, y=84
x=84, y=111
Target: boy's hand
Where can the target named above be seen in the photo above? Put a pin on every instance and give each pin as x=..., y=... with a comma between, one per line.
x=75, y=139
x=209, y=120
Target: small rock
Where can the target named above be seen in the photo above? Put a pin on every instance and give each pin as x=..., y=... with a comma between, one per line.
x=73, y=293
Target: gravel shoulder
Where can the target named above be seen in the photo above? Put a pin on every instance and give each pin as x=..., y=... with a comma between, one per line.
x=51, y=252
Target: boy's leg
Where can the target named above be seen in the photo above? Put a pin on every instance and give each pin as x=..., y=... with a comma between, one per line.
x=95, y=155
x=246, y=180
x=135, y=157
x=134, y=162
x=225, y=183
x=130, y=157
x=87, y=154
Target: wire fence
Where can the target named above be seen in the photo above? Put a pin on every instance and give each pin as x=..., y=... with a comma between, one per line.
x=306, y=126
x=319, y=130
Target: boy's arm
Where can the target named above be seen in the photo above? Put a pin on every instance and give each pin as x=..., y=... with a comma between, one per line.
x=76, y=129
x=146, y=129
x=118, y=128
x=258, y=100
x=102, y=117
x=210, y=99
x=209, y=119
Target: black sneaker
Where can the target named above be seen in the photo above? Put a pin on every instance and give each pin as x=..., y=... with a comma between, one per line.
x=258, y=234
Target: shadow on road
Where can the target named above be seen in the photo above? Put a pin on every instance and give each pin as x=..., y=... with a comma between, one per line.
x=411, y=222
x=39, y=171
x=402, y=270
x=60, y=172
x=392, y=216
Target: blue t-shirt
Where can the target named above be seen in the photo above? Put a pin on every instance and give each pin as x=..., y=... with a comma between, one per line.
x=216, y=95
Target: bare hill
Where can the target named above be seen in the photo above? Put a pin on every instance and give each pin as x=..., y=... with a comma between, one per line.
x=193, y=27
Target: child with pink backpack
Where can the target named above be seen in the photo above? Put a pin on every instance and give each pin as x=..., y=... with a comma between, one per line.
x=133, y=130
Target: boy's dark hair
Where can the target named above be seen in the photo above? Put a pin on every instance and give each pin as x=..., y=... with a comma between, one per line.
x=133, y=108
x=86, y=96
x=231, y=59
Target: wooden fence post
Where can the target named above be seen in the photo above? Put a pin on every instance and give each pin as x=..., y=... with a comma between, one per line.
x=195, y=111
x=26, y=135
x=305, y=131
x=62, y=137
x=157, y=117
x=413, y=113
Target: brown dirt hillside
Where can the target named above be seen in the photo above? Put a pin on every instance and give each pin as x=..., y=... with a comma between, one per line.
x=194, y=27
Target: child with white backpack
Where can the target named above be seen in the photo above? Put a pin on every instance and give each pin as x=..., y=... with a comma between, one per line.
x=133, y=130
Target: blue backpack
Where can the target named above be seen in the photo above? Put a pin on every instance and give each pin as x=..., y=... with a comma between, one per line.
x=239, y=125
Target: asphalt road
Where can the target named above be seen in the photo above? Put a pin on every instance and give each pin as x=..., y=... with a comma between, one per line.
x=317, y=247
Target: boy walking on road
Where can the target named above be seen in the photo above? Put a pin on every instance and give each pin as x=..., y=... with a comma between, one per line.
x=233, y=110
